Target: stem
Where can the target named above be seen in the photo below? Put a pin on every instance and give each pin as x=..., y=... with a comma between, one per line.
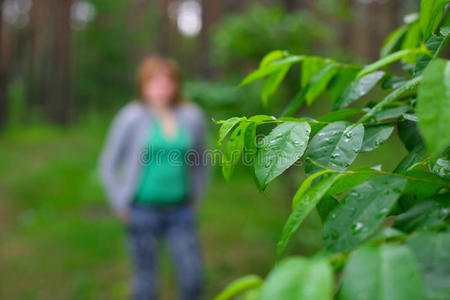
x=313, y=122
x=398, y=175
x=382, y=173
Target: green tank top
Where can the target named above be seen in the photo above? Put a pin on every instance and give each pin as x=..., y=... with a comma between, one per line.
x=164, y=177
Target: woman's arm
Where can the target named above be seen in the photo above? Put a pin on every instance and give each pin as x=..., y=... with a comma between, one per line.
x=200, y=170
x=112, y=156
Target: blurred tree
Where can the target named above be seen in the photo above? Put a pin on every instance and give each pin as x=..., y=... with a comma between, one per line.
x=375, y=20
x=164, y=28
x=59, y=103
x=55, y=59
x=104, y=54
x=297, y=4
x=136, y=17
x=3, y=76
x=49, y=71
x=211, y=14
x=243, y=38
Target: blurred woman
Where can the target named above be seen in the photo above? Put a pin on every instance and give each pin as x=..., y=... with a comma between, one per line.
x=152, y=169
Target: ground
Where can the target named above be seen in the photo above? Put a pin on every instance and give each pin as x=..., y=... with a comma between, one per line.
x=58, y=239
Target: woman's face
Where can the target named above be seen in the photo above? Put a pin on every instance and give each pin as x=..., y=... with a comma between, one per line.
x=160, y=89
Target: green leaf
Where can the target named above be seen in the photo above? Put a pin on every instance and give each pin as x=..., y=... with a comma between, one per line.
x=445, y=26
x=272, y=83
x=388, y=60
x=361, y=212
x=284, y=145
x=358, y=89
x=327, y=204
x=251, y=295
x=270, y=68
x=393, y=41
x=409, y=134
x=433, y=106
x=390, y=113
x=342, y=80
x=226, y=128
x=319, y=82
x=385, y=234
x=260, y=118
x=430, y=214
x=421, y=185
x=303, y=207
x=375, y=136
x=441, y=166
x=339, y=115
x=272, y=56
x=413, y=39
x=310, y=67
x=387, y=272
x=431, y=252
x=414, y=156
x=350, y=180
x=238, y=286
x=393, y=82
x=335, y=146
x=434, y=44
x=250, y=144
x=390, y=97
x=233, y=150
x=431, y=12
x=298, y=278
x=306, y=184
x=295, y=103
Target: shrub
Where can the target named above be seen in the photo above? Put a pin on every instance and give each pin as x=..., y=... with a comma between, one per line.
x=386, y=233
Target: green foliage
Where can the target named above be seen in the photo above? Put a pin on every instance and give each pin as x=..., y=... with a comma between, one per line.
x=247, y=36
x=284, y=145
x=375, y=136
x=357, y=89
x=431, y=12
x=384, y=272
x=431, y=252
x=303, y=204
x=101, y=44
x=238, y=286
x=433, y=106
x=299, y=278
x=387, y=230
x=361, y=212
x=233, y=150
x=335, y=146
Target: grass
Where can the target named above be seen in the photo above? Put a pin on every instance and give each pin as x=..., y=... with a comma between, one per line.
x=58, y=239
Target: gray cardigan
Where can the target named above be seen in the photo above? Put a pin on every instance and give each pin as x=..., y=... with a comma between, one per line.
x=121, y=158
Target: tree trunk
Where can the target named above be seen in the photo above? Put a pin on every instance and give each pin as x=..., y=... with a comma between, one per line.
x=49, y=72
x=211, y=13
x=136, y=14
x=164, y=30
x=3, y=76
x=38, y=39
x=373, y=22
x=58, y=83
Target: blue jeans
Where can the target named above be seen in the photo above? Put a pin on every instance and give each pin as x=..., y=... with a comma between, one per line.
x=146, y=225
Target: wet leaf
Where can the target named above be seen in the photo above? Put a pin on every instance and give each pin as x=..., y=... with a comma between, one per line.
x=335, y=146
x=298, y=278
x=386, y=272
x=284, y=145
x=357, y=89
x=375, y=136
x=433, y=106
x=361, y=212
